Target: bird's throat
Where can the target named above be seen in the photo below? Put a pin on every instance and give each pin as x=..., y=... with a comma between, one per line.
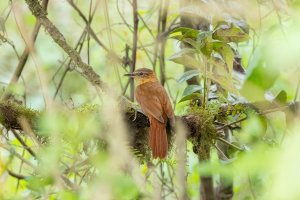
x=140, y=81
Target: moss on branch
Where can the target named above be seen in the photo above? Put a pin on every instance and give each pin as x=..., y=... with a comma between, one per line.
x=12, y=113
x=199, y=123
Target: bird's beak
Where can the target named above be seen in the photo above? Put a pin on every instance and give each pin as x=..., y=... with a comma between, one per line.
x=131, y=75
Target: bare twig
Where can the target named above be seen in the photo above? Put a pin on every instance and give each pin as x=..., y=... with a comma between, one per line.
x=230, y=144
x=163, y=42
x=23, y=143
x=110, y=39
x=297, y=90
x=92, y=33
x=134, y=46
x=235, y=122
x=15, y=175
x=13, y=152
x=25, y=54
x=156, y=47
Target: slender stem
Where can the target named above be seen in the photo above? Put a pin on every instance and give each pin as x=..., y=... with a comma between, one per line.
x=134, y=46
x=25, y=54
x=23, y=143
x=15, y=175
x=157, y=37
x=12, y=151
x=230, y=144
x=235, y=122
x=163, y=43
x=297, y=90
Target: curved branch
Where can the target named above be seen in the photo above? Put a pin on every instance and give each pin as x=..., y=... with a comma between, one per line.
x=88, y=72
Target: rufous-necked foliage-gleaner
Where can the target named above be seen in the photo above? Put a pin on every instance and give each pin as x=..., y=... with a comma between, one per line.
x=155, y=103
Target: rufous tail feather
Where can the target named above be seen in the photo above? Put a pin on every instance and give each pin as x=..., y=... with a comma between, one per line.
x=158, y=141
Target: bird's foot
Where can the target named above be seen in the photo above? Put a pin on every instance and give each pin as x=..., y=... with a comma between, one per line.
x=135, y=115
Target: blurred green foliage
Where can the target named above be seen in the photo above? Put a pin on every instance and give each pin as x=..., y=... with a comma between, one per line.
x=80, y=140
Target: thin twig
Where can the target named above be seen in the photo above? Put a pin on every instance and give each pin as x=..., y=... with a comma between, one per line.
x=25, y=54
x=224, y=157
x=111, y=45
x=230, y=144
x=157, y=37
x=78, y=48
x=92, y=33
x=23, y=143
x=134, y=46
x=235, y=122
x=164, y=15
x=297, y=90
x=12, y=151
x=15, y=175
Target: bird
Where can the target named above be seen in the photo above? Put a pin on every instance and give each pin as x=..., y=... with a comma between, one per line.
x=155, y=104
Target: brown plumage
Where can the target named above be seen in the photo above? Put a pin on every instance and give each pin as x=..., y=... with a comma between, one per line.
x=155, y=103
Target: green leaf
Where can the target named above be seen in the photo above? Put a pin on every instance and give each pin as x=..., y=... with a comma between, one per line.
x=242, y=24
x=281, y=97
x=37, y=183
x=221, y=74
x=185, y=33
x=258, y=81
x=190, y=97
x=207, y=48
x=70, y=195
x=204, y=41
x=184, y=57
x=191, y=89
x=225, y=81
x=188, y=75
x=193, y=43
x=204, y=35
x=226, y=52
x=230, y=33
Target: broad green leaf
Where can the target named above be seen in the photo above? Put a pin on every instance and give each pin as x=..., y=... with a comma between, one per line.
x=226, y=52
x=193, y=43
x=242, y=24
x=190, y=97
x=191, y=89
x=184, y=57
x=224, y=81
x=260, y=79
x=230, y=33
x=205, y=42
x=189, y=41
x=207, y=48
x=204, y=35
x=185, y=32
x=188, y=75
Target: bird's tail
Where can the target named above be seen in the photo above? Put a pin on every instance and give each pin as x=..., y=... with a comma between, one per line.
x=158, y=141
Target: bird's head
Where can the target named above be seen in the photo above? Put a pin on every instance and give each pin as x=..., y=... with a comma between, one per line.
x=142, y=75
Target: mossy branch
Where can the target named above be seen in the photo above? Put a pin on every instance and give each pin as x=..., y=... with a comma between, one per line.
x=11, y=114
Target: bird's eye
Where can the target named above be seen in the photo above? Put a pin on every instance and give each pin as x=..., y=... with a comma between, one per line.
x=141, y=73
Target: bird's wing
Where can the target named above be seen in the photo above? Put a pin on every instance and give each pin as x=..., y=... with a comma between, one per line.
x=166, y=104
x=149, y=102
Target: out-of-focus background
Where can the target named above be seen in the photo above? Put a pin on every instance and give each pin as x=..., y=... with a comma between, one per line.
x=231, y=69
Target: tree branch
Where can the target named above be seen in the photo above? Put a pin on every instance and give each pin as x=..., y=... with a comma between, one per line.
x=57, y=36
